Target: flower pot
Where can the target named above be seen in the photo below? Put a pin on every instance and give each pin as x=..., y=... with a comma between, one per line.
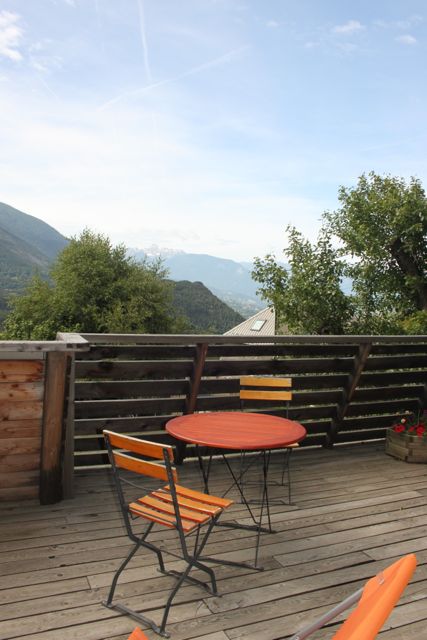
x=404, y=446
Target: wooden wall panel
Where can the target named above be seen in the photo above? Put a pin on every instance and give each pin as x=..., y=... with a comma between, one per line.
x=21, y=409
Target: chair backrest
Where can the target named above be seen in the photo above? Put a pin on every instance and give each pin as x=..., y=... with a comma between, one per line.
x=116, y=443
x=379, y=596
x=265, y=388
x=137, y=634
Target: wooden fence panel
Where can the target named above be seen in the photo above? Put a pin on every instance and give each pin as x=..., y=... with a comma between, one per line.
x=135, y=384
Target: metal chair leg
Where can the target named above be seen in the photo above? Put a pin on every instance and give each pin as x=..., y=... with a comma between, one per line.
x=287, y=466
x=129, y=557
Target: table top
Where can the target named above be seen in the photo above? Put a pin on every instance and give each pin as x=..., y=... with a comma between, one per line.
x=236, y=430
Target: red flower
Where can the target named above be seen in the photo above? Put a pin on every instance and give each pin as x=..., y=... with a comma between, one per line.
x=411, y=429
x=420, y=430
x=399, y=428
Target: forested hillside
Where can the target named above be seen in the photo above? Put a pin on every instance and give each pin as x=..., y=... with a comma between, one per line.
x=27, y=246
x=204, y=311
x=37, y=234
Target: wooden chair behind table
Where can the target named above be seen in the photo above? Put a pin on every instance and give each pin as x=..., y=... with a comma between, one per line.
x=172, y=506
x=270, y=390
x=375, y=601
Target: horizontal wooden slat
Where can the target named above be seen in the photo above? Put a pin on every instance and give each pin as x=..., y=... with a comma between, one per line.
x=165, y=507
x=133, y=369
x=21, y=370
x=396, y=362
x=20, y=479
x=203, y=497
x=265, y=381
x=152, y=469
x=142, y=447
x=186, y=502
x=392, y=393
x=391, y=377
x=364, y=408
x=111, y=408
x=117, y=389
x=15, y=446
x=154, y=516
x=17, y=391
x=20, y=428
x=276, y=367
x=26, y=410
x=19, y=462
x=131, y=424
x=18, y=493
x=247, y=394
x=153, y=338
x=138, y=352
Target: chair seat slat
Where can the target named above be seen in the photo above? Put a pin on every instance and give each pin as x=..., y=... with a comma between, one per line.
x=165, y=507
x=160, y=518
x=202, y=497
x=186, y=502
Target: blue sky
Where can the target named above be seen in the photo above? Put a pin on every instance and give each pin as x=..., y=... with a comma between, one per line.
x=205, y=125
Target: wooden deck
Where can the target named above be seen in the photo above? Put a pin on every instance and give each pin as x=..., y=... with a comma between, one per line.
x=357, y=510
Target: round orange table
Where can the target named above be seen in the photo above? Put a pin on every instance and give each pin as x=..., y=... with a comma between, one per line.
x=236, y=430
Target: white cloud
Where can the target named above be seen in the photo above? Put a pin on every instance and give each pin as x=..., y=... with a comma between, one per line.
x=272, y=24
x=10, y=35
x=410, y=22
x=406, y=39
x=352, y=26
x=41, y=59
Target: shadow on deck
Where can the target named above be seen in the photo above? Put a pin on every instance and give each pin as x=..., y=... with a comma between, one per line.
x=356, y=510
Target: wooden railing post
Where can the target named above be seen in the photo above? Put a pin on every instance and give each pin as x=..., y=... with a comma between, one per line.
x=193, y=391
x=196, y=377
x=423, y=399
x=53, y=427
x=348, y=392
x=68, y=464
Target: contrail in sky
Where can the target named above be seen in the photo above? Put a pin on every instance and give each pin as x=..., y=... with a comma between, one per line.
x=201, y=67
x=144, y=41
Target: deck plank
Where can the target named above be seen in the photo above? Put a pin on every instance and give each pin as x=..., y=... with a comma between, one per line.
x=356, y=511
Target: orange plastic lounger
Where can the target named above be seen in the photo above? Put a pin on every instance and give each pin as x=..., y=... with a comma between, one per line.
x=137, y=634
x=375, y=601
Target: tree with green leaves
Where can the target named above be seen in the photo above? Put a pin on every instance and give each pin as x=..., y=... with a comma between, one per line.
x=94, y=288
x=382, y=226
x=308, y=295
x=380, y=235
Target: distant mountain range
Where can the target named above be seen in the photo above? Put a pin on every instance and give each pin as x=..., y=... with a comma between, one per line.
x=28, y=245
x=229, y=280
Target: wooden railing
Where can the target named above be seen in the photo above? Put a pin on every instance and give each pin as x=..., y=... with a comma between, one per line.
x=56, y=397
x=345, y=388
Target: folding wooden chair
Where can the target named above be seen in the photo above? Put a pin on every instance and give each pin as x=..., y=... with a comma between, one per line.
x=172, y=506
x=375, y=601
x=270, y=389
